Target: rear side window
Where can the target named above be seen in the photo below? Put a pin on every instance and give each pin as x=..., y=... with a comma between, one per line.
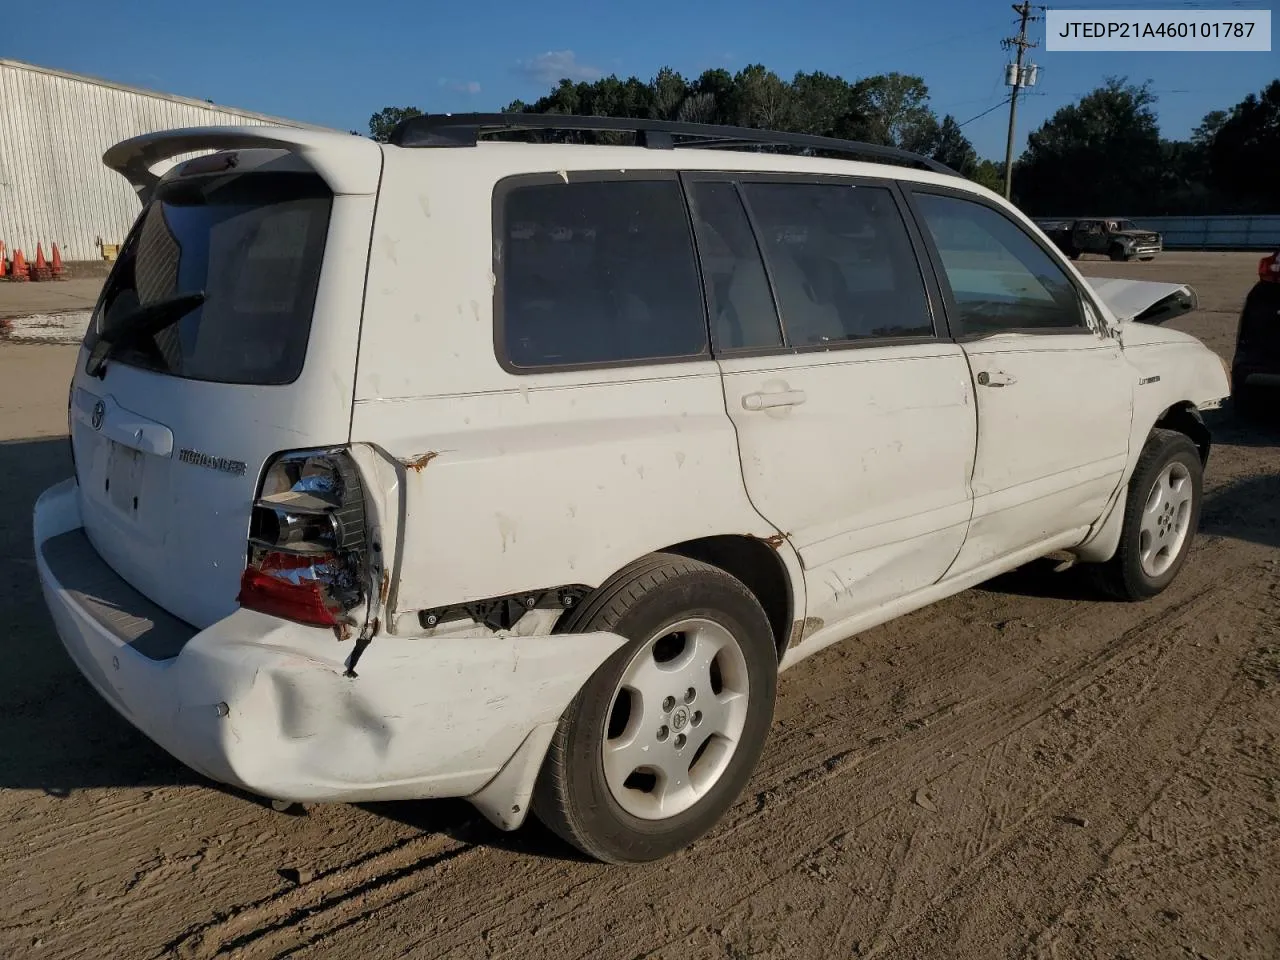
x=1000, y=278
x=253, y=245
x=841, y=262
x=597, y=272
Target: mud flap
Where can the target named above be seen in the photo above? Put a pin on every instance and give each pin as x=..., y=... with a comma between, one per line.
x=504, y=800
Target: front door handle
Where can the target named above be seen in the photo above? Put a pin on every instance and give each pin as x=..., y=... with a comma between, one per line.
x=781, y=398
x=995, y=378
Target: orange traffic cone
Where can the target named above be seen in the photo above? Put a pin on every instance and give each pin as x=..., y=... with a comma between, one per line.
x=56, y=267
x=40, y=269
x=19, y=266
x=1, y=259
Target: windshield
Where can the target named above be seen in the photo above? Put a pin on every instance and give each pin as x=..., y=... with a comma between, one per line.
x=1126, y=225
x=253, y=245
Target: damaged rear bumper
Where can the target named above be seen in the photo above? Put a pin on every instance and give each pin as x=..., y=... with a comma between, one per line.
x=263, y=704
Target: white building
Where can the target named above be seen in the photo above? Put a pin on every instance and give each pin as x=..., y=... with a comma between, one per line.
x=54, y=128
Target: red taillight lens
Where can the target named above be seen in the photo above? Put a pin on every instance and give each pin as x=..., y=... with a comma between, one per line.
x=286, y=586
x=1269, y=268
x=307, y=554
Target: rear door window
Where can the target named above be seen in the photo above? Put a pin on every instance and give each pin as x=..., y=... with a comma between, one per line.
x=841, y=262
x=596, y=272
x=253, y=245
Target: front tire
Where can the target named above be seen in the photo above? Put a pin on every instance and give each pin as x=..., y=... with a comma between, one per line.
x=1118, y=254
x=1161, y=515
x=663, y=737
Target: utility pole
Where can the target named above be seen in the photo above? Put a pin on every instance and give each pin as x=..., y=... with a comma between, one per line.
x=1017, y=77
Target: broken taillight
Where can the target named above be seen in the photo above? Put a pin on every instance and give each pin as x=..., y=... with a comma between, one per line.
x=1269, y=268
x=307, y=544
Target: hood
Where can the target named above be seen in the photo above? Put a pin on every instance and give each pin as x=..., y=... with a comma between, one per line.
x=1134, y=233
x=1144, y=301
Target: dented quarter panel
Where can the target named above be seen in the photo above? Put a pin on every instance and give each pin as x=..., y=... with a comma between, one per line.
x=519, y=482
x=547, y=486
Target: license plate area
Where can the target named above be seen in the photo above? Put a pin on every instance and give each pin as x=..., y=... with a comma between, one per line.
x=123, y=484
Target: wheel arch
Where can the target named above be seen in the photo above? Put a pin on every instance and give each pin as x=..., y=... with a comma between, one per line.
x=759, y=565
x=1185, y=418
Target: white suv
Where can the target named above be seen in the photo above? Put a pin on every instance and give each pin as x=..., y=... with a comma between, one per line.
x=518, y=471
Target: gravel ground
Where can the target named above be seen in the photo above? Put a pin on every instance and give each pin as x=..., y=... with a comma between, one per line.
x=1022, y=770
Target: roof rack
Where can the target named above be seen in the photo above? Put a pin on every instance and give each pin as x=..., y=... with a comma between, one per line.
x=465, y=130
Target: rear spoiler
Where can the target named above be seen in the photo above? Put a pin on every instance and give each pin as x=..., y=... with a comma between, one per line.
x=348, y=164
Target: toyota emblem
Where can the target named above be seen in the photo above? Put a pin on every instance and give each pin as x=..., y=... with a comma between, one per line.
x=99, y=411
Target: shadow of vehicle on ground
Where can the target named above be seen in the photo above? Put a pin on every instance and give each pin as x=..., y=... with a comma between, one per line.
x=60, y=735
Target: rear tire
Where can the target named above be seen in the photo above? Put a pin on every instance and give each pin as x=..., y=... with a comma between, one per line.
x=689, y=623
x=1161, y=515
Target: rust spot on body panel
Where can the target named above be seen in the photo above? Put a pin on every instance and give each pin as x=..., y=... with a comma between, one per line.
x=797, y=633
x=418, y=464
x=801, y=630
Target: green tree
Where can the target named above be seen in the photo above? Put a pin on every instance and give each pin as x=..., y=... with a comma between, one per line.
x=989, y=174
x=1101, y=155
x=891, y=109
x=894, y=111
x=824, y=105
x=1208, y=128
x=384, y=121
x=1244, y=154
x=667, y=91
x=761, y=99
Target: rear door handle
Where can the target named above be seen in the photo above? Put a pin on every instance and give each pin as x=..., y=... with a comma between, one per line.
x=782, y=398
x=995, y=379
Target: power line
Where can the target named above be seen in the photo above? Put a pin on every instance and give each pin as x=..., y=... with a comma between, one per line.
x=985, y=112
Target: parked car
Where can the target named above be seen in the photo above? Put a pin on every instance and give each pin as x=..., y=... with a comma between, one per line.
x=518, y=471
x=1115, y=237
x=1256, y=365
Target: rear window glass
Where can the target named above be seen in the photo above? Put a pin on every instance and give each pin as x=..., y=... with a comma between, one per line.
x=841, y=262
x=598, y=272
x=253, y=245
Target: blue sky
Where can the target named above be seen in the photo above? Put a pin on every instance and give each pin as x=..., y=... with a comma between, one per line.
x=335, y=62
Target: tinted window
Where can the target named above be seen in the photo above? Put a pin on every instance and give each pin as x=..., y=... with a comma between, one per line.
x=599, y=272
x=841, y=262
x=253, y=245
x=1000, y=278
x=738, y=295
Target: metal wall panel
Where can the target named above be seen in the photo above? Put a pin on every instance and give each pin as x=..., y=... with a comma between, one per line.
x=1234, y=232
x=1216, y=233
x=54, y=129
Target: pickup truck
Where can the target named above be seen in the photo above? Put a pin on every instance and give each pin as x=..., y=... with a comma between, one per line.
x=1119, y=239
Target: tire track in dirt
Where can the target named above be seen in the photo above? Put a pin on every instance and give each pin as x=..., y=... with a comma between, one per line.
x=798, y=796
x=369, y=884
x=884, y=934
x=1074, y=860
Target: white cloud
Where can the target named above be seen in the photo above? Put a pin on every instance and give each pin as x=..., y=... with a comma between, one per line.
x=470, y=87
x=553, y=66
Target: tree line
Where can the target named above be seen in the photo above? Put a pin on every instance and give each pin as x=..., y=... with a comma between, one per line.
x=1102, y=154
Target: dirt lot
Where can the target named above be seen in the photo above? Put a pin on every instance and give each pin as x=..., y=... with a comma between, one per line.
x=1023, y=770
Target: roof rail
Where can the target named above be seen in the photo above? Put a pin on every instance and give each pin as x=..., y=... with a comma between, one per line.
x=465, y=130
